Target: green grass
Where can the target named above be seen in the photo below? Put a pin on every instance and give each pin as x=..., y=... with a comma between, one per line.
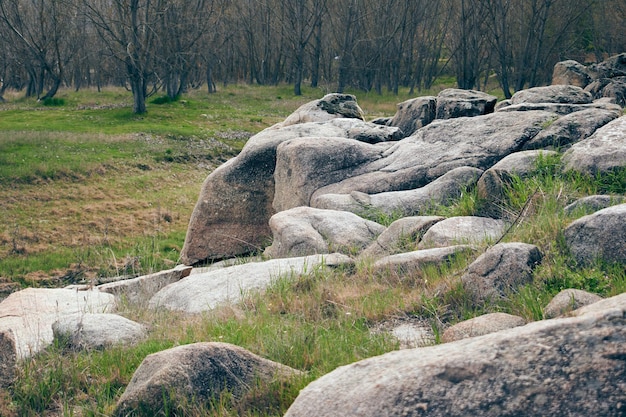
x=117, y=201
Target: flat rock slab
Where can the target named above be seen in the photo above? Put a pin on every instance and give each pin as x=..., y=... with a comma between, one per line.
x=97, y=331
x=305, y=231
x=420, y=258
x=140, y=289
x=559, y=367
x=404, y=203
x=203, y=292
x=603, y=151
x=462, y=230
x=569, y=94
x=599, y=235
x=481, y=325
x=30, y=313
x=593, y=203
x=196, y=372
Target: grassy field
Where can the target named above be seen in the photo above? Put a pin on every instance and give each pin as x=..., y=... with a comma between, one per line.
x=88, y=191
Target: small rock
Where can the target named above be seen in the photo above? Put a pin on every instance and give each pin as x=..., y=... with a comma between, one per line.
x=478, y=326
x=461, y=230
x=97, y=331
x=568, y=300
x=593, y=203
x=8, y=358
x=501, y=269
x=419, y=258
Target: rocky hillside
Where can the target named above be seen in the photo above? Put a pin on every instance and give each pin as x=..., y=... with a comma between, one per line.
x=308, y=191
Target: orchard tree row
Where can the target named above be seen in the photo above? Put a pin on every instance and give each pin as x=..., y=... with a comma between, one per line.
x=172, y=45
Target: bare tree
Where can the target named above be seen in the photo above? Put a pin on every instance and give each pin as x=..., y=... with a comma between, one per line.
x=41, y=33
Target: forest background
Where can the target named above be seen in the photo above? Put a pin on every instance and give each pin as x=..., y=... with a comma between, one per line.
x=149, y=46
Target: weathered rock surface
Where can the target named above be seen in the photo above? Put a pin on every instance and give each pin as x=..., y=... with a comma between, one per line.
x=30, y=313
x=200, y=372
x=560, y=108
x=305, y=231
x=392, y=240
x=307, y=169
x=412, y=335
x=329, y=107
x=572, y=128
x=140, y=289
x=463, y=229
x=8, y=358
x=599, y=235
x=560, y=367
x=614, y=66
x=414, y=114
x=571, y=72
x=97, y=330
x=417, y=259
x=492, y=184
x=568, y=94
x=408, y=202
x=568, y=300
x=594, y=203
x=501, y=269
x=235, y=203
x=202, y=292
x=603, y=151
x=454, y=102
x=481, y=325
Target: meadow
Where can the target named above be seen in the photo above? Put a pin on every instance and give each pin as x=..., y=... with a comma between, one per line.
x=89, y=191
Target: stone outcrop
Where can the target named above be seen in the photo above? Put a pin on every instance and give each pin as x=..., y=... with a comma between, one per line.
x=500, y=270
x=167, y=380
x=571, y=72
x=562, y=94
x=453, y=102
x=593, y=203
x=414, y=114
x=599, y=236
x=408, y=261
x=542, y=368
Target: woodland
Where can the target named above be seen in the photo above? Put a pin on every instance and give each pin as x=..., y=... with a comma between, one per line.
x=171, y=46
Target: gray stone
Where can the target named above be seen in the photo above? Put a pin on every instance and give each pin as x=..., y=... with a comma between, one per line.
x=204, y=291
x=481, y=325
x=453, y=102
x=408, y=202
x=393, y=239
x=560, y=108
x=598, y=235
x=572, y=128
x=409, y=261
x=414, y=114
x=30, y=313
x=463, y=229
x=603, y=151
x=492, y=184
x=614, y=66
x=235, y=203
x=616, y=91
x=568, y=300
x=329, y=107
x=97, y=331
x=413, y=335
x=306, y=169
x=501, y=269
x=561, y=367
x=8, y=358
x=199, y=372
x=593, y=203
x=570, y=72
x=564, y=94
x=303, y=231
x=141, y=289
